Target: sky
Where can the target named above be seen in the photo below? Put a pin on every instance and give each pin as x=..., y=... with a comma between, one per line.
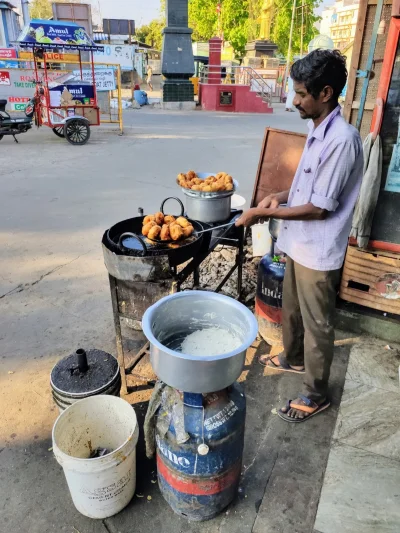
x=142, y=12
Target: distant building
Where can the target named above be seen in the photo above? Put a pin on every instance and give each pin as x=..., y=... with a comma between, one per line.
x=339, y=21
x=9, y=24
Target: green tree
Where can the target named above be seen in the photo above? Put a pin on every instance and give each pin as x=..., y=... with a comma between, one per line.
x=151, y=33
x=203, y=19
x=282, y=20
x=40, y=9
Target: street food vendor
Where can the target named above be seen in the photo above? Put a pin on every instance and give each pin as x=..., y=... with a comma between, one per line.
x=314, y=236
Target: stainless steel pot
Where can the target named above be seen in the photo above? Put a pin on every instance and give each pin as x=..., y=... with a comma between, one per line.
x=275, y=225
x=169, y=321
x=208, y=209
x=208, y=206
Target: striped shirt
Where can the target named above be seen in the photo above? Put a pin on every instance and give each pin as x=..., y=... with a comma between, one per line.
x=329, y=176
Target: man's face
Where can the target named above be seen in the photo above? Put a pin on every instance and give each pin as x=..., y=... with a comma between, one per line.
x=308, y=106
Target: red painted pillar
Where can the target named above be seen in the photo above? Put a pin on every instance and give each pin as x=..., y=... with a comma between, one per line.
x=214, y=65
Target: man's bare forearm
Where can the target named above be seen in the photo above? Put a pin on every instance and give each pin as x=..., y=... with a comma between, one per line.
x=300, y=212
x=283, y=196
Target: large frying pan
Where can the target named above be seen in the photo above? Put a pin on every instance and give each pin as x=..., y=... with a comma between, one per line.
x=126, y=238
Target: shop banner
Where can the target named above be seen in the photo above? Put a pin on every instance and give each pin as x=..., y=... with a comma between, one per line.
x=56, y=56
x=55, y=34
x=105, y=78
x=17, y=87
x=6, y=55
x=120, y=54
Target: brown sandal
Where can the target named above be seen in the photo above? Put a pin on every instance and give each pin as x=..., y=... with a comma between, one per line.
x=283, y=365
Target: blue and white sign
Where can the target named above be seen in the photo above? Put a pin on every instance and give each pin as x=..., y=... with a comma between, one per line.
x=105, y=78
x=122, y=55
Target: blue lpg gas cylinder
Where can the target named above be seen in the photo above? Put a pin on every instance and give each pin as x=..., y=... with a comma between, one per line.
x=200, y=477
x=268, y=308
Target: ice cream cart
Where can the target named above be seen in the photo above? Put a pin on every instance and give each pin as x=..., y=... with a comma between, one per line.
x=67, y=104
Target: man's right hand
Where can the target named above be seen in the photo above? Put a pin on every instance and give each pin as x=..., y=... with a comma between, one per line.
x=271, y=201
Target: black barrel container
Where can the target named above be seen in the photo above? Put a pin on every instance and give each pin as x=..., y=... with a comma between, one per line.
x=82, y=374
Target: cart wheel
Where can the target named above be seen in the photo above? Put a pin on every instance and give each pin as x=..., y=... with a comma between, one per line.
x=77, y=131
x=59, y=131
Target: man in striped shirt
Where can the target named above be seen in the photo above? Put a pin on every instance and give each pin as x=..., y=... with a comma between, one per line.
x=317, y=215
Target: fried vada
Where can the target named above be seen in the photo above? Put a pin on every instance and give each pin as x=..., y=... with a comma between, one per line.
x=147, y=227
x=159, y=218
x=165, y=234
x=147, y=219
x=154, y=232
x=188, y=230
x=168, y=219
x=183, y=222
x=176, y=231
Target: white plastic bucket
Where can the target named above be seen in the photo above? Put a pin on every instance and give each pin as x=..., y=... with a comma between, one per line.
x=261, y=239
x=103, y=486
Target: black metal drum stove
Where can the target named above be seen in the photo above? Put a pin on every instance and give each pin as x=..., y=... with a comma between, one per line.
x=137, y=281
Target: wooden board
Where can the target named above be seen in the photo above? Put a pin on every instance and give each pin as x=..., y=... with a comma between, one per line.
x=361, y=272
x=280, y=155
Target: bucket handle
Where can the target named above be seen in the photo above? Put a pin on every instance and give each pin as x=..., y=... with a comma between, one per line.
x=133, y=236
x=172, y=198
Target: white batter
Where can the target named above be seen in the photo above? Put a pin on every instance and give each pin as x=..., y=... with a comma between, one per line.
x=210, y=341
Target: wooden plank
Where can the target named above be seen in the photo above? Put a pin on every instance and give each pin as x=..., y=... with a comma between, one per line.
x=354, y=269
x=349, y=296
x=384, y=268
x=359, y=277
x=371, y=292
x=364, y=295
x=279, y=158
x=355, y=59
x=354, y=250
x=369, y=106
x=375, y=259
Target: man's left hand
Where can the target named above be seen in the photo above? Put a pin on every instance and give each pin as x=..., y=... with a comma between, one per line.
x=248, y=218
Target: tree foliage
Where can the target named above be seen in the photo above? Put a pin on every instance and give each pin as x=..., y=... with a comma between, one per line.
x=282, y=20
x=239, y=23
x=151, y=33
x=40, y=9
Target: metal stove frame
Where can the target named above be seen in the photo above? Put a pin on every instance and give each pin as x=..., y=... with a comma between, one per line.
x=233, y=237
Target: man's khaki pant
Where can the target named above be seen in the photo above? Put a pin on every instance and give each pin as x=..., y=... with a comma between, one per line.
x=309, y=299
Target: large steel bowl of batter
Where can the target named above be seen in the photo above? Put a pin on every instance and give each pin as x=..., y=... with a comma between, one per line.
x=170, y=320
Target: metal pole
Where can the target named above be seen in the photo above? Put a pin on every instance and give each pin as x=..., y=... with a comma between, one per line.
x=121, y=126
x=289, y=47
x=302, y=28
x=370, y=59
x=25, y=11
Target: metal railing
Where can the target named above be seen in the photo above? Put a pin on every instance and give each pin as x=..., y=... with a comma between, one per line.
x=237, y=75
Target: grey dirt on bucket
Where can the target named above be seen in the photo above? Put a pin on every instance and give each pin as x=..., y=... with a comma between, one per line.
x=67, y=375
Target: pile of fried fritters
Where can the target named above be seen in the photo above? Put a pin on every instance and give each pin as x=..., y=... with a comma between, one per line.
x=166, y=227
x=218, y=183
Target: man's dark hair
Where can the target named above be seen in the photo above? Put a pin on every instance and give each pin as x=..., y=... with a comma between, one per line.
x=321, y=68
